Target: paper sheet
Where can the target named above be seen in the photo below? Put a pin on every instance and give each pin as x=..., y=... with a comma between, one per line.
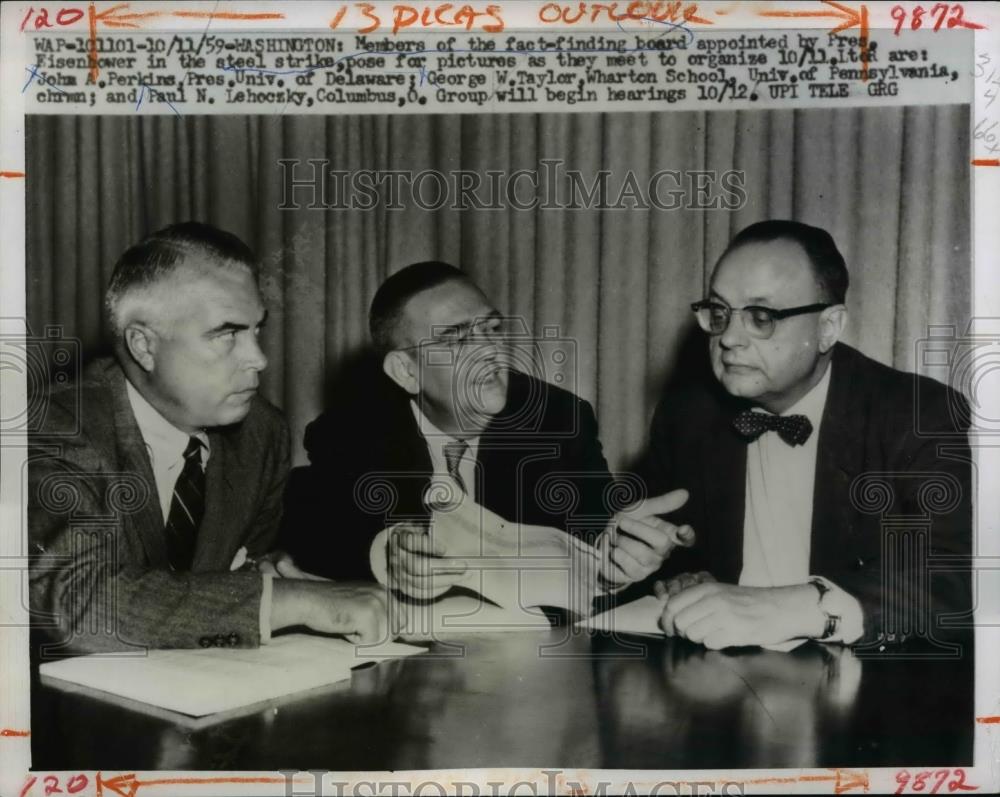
x=514, y=565
x=210, y=680
x=464, y=614
x=636, y=617
x=642, y=616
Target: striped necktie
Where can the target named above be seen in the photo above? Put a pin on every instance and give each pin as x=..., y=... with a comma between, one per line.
x=187, y=507
x=453, y=453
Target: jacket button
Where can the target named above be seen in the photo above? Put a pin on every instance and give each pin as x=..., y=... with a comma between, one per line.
x=205, y=641
x=220, y=641
x=233, y=639
x=859, y=563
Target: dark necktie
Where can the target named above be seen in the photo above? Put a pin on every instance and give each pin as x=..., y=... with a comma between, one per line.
x=453, y=453
x=186, y=508
x=793, y=429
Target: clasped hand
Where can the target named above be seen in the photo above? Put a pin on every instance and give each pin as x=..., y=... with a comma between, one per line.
x=718, y=616
x=364, y=613
x=417, y=563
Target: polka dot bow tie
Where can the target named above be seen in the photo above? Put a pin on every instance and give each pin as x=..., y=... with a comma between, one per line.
x=793, y=429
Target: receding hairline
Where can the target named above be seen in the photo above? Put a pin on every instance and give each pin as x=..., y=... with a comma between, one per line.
x=400, y=315
x=780, y=238
x=189, y=270
x=403, y=315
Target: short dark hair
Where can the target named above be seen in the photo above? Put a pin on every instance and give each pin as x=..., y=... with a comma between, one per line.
x=827, y=261
x=390, y=299
x=158, y=255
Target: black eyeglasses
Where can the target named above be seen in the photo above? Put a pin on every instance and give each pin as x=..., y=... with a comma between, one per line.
x=759, y=322
x=492, y=329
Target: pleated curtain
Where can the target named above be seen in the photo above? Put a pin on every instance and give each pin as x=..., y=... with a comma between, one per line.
x=890, y=184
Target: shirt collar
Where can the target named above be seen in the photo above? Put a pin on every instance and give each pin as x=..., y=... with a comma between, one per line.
x=813, y=403
x=157, y=432
x=435, y=438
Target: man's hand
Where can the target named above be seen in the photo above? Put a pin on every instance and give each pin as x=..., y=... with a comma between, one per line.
x=416, y=564
x=724, y=615
x=281, y=565
x=363, y=613
x=672, y=586
x=636, y=541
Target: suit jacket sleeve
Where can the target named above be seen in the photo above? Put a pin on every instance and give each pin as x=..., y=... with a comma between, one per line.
x=928, y=479
x=325, y=525
x=666, y=465
x=262, y=536
x=91, y=586
x=594, y=481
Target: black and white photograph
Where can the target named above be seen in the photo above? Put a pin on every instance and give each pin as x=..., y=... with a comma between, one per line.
x=559, y=440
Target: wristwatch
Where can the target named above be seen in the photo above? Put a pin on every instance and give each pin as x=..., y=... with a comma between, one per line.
x=832, y=620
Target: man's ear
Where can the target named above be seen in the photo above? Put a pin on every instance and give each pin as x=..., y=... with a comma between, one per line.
x=402, y=370
x=140, y=343
x=831, y=326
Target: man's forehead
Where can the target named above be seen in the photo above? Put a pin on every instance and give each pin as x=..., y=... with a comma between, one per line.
x=217, y=290
x=765, y=270
x=451, y=303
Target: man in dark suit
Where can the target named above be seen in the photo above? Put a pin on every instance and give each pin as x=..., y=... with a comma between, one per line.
x=831, y=495
x=155, y=485
x=454, y=406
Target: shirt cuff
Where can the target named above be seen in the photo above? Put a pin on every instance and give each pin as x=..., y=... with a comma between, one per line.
x=378, y=556
x=838, y=602
x=265, y=608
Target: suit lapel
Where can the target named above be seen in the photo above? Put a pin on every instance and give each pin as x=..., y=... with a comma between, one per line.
x=724, y=474
x=405, y=454
x=839, y=458
x=222, y=518
x=133, y=458
x=504, y=449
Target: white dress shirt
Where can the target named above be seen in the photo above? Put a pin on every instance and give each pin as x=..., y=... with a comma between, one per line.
x=777, y=520
x=165, y=444
x=436, y=441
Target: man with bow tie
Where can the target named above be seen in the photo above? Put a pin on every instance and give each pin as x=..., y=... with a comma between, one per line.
x=826, y=488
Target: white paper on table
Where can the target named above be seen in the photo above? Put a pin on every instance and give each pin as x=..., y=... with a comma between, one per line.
x=464, y=614
x=515, y=565
x=640, y=616
x=209, y=680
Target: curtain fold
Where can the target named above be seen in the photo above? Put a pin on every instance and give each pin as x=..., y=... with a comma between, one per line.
x=606, y=290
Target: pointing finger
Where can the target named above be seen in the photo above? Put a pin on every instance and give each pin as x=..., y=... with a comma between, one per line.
x=658, y=505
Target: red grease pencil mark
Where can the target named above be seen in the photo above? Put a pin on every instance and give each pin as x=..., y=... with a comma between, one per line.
x=12, y=731
x=226, y=15
x=110, y=17
x=127, y=785
x=989, y=720
x=987, y=162
x=842, y=779
x=10, y=176
x=851, y=19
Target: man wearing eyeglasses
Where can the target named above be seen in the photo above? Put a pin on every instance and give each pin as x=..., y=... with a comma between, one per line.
x=788, y=465
x=457, y=406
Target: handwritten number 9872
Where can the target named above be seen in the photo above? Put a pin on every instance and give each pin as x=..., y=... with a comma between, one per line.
x=932, y=781
x=939, y=13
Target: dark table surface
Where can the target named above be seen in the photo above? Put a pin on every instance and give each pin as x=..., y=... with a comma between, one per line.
x=552, y=699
